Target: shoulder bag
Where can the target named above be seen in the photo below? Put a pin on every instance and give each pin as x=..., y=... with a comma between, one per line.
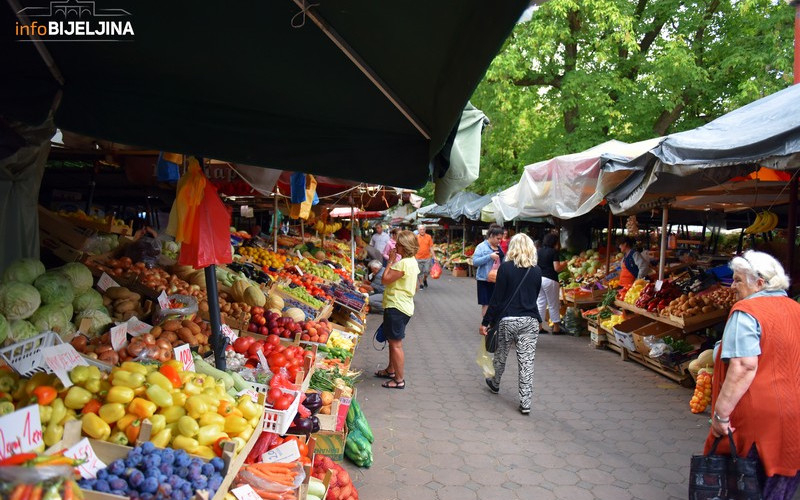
x=491, y=330
x=724, y=477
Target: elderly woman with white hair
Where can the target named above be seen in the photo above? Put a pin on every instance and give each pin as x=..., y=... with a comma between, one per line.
x=756, y=382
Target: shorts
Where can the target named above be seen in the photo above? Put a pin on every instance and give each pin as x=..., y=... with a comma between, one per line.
x=485, y=291
x=424, y=266
x=394, y=324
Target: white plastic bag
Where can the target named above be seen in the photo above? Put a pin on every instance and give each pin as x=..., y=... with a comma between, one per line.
x=484, y=360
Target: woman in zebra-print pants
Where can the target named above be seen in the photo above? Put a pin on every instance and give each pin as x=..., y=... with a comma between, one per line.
x=513, y=309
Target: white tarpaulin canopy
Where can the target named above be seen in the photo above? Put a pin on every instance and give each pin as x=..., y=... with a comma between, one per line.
x=565, y=186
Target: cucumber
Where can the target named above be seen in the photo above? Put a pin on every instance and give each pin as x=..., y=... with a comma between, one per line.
x=239, y=383
x=200, y=366
x=363, y=426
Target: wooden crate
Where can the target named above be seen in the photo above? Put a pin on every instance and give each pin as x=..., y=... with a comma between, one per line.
x=699, y=318
x=654, y=329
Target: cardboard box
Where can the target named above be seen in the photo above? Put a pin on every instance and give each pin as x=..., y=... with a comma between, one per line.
x=654, y=329
x=331, y=444
x=460, y=273
x=623, y=332
x=63, y=230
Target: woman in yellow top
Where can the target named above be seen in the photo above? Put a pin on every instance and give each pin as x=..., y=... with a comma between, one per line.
x=400, y=280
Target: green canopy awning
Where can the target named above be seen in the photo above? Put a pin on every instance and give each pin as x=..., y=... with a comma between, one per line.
x=258, y=82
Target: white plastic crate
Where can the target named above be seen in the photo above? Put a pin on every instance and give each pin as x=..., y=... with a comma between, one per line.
x=26, y=356
x=278, y=421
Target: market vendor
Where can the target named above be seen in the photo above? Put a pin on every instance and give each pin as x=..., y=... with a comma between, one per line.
x=634, y=264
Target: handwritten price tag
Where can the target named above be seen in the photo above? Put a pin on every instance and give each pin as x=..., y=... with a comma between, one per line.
x=20, y=431
x=262, y=360
x=229, y=334
x=250, y=392
x=61, y=359
x=299, y=270
x=245, y=492
x=105, y=282
x=184, y=354
x=84, y=451
x=163, y=300
x=285, y=453
x=119, y=336
x=137, y=327
x=659, y=284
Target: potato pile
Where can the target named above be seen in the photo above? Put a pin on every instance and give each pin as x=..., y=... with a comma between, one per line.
x=173, y=333
x=689, y=305
x=724, y=297
x=123, y=304
x=238, y=311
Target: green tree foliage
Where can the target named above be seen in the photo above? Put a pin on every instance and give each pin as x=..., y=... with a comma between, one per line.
x=581, y=72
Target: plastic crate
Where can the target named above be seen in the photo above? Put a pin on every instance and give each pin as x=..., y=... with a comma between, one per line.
x=26, y=356
x=278, y=421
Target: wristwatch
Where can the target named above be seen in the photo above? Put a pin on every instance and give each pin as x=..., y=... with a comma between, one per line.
x=721, y=420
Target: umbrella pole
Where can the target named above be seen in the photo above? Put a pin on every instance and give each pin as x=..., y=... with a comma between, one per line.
x=352, y=244
x=608, y=240
x=662, y=255
x=275, y=225
x=217, y=341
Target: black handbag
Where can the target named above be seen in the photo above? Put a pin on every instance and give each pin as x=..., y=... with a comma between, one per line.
x=491, y=330
x=724, y=476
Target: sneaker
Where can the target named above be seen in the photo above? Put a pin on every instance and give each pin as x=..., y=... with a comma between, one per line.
x=492, y=387
x=524, y=410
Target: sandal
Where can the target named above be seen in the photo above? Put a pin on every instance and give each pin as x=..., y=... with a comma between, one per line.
x=384, y=374
x=394, y=384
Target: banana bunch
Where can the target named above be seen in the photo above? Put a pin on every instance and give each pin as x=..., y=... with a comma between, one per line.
x=326, y=229
x=765, y=221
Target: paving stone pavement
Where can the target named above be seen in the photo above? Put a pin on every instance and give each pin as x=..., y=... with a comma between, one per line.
x=599, y=427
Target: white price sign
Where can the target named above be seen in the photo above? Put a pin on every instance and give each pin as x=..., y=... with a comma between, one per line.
x=163, y=300
x=659, y=284
x=299, y=270
x=119, y=336
x=184, y=354
x=92, y=463
x=105, y=282
x=229, y=334
x=245, y=492
x=250, y=392
x=20, y=431
x=137, y=327
x=285, y=453
x=61, y=359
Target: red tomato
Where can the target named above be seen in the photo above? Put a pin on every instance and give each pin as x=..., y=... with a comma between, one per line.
x=274, y=394
x=283, y=402
x=277, y=359
x=254, y=348
x=274, y=340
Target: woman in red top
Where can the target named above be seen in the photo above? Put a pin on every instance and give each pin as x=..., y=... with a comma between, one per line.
x=756, y=383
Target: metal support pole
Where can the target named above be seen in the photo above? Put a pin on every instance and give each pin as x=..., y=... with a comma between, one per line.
x=217, y=341
x=662, y=256
x=275, y=224
x=302, y=231
x=791, y=230
x=352, y=243
x=608, y=240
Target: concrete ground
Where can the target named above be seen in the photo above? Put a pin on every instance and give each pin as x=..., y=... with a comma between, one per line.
x=600, y=427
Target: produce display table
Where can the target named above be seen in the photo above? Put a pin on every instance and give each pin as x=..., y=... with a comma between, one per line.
x=690, y=325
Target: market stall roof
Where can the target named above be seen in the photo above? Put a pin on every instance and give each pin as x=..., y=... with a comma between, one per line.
x=455, y=208
x=765, y=132
x=566, y=186
x=354, y=89
x=419, y=214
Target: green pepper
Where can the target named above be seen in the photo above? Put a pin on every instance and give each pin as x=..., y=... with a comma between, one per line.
x=119, y=438
x=159, y=395
x=7, y=382
x=127, y=379
x=53, y=433
x=188, y=426
x=79, y=374
x=6, y=407
x=77, y=397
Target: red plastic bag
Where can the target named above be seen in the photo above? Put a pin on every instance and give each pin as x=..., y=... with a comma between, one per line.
x=211, y=243
x=436, y=270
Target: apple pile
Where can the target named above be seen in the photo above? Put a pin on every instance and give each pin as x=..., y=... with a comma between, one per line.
x=278, y=356
x=272, y=323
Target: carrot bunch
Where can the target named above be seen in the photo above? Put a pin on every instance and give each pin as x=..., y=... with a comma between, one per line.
x=272, y=481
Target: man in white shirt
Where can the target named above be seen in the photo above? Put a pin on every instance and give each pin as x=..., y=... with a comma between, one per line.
x=379, y=241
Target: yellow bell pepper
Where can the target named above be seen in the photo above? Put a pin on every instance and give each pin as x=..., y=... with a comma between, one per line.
x=142, y=407
x=45, y=414
x=235, y=425
x=120, y=394
x=191, y=388
x=79, y=374
x=179, y=398
x=208, y=434
x=111, y=412
x=96, y=427
x=188, y=426
x=162, y=439
x=175, y=364
x=253, y=422
x=159, y=396
x=248, y=408
x=94, y=385
x=184, y=443
x=59, y=410
x=127, y=379
x=53, y=433
x=157, y=423
x=173, y=427
x=156, y=378
x=212, y=419
x=196, y=406
x=245, y=434
x=134, y=367
x=71, y=415
x=173, y=413
x=126, y=420
x=139, y=391
x=240, y=443
x=119, y=438
x=77, y=397
x=204, y=452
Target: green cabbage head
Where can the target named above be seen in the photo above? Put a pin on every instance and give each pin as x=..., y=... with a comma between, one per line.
x=90, y=299
x=4, y=328
x=18, y=300
x=23, y=271
x=54, y=288
x=52, y=317
x=79, y=275
x=19, y=330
